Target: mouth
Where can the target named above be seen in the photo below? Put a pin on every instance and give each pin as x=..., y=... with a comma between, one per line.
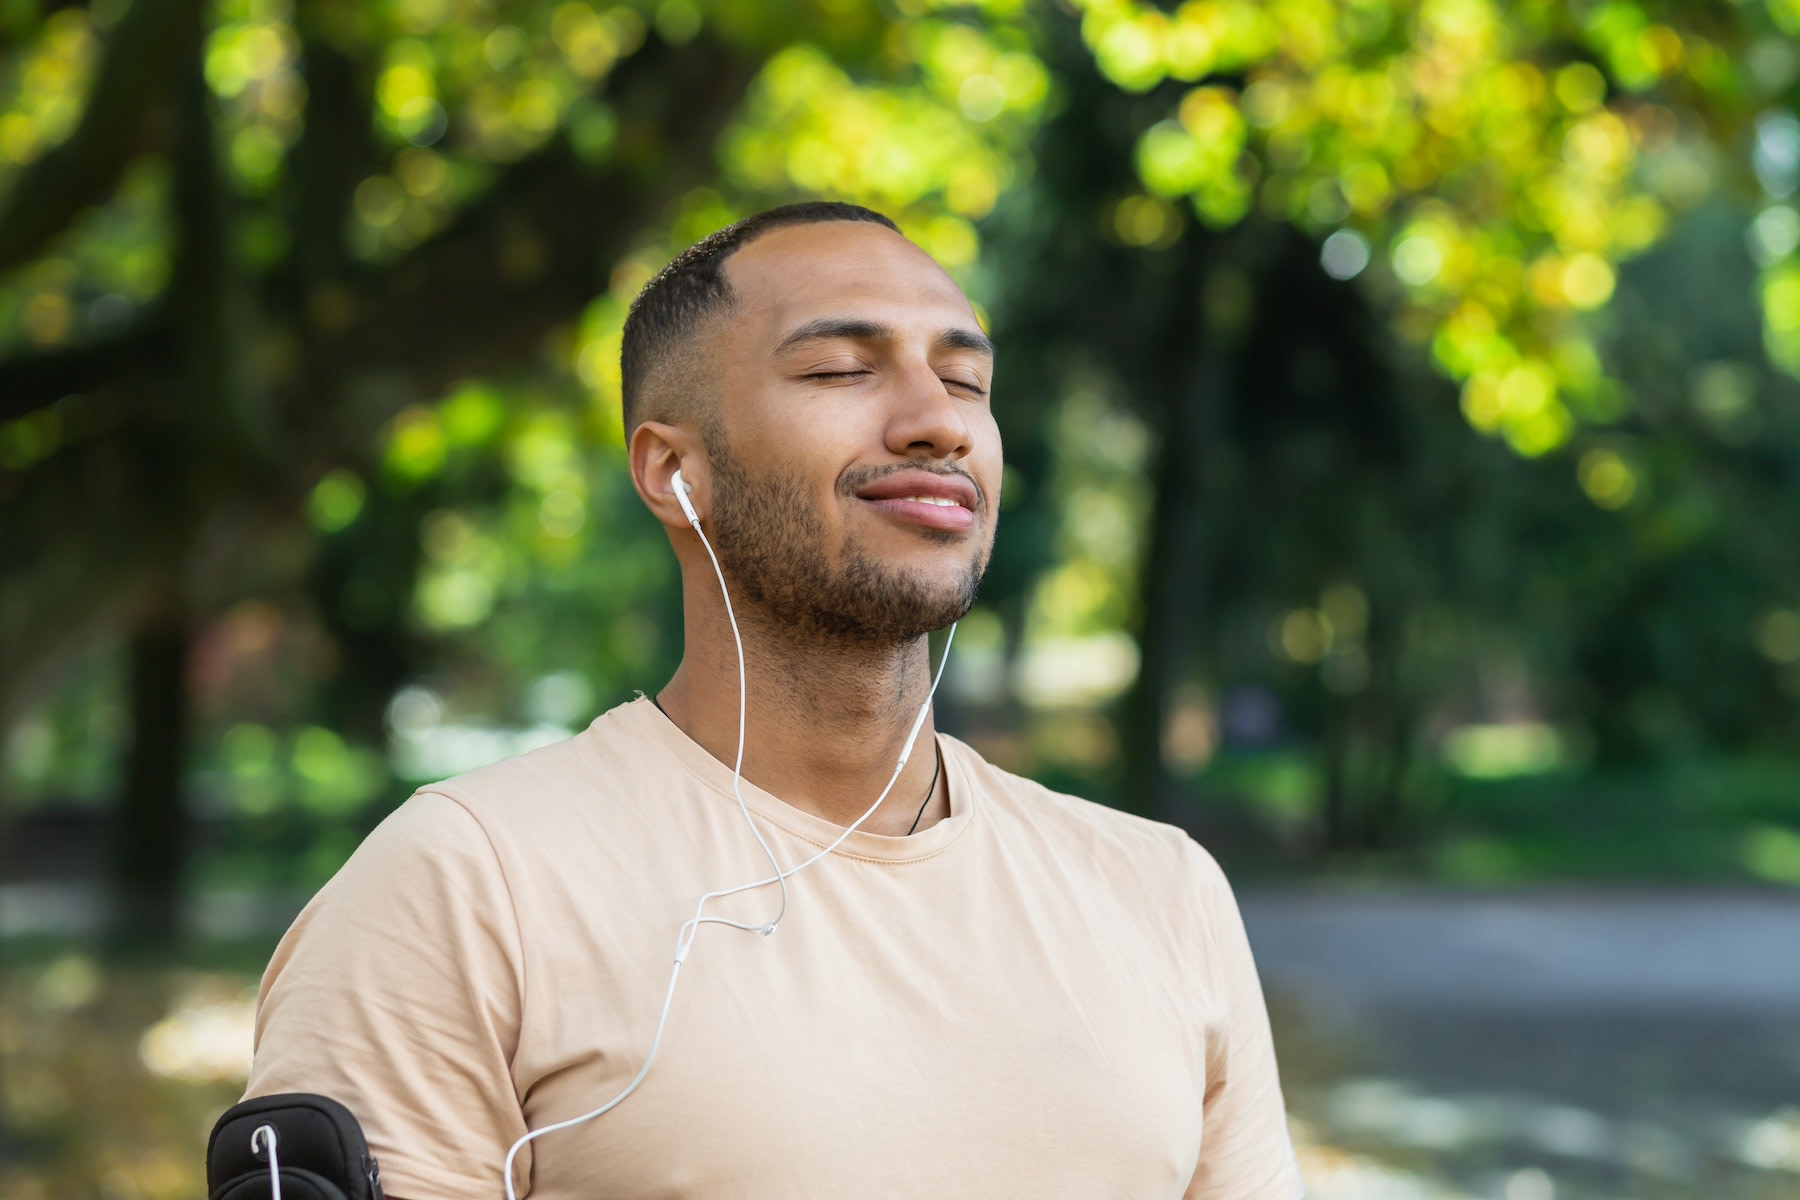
x=924, y=500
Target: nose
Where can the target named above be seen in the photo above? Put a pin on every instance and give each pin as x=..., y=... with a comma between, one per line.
x=927, y=418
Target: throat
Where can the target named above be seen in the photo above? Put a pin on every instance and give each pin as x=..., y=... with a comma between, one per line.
x=823, y=733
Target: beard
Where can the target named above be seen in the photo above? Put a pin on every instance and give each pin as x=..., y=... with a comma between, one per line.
x=772, y=544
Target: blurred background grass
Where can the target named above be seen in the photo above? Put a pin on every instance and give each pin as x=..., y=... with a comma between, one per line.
x=1403, y=486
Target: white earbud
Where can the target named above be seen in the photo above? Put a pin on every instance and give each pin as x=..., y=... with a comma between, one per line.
x=682, y=488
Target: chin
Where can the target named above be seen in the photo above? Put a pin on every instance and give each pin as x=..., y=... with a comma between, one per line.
x=893, y=601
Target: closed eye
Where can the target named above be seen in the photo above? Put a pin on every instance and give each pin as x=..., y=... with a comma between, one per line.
x=967, y=386
x=835, y=374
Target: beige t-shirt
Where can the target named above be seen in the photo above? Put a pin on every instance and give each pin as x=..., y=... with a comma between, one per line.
x=1035, y=997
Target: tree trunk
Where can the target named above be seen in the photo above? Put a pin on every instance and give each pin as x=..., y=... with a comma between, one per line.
x=1387, y=800
x=1339, y=831
x=1194, y=384
x=150, y=852
x=150, y=834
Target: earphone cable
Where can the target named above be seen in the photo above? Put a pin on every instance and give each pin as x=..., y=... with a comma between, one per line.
x=264, y=1138
x=737, y=766
x=684, y=939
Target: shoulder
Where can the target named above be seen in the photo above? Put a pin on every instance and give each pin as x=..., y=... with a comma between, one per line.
x=540, y=784
x=430, y=833
x=1159, y=855
x=426, y=864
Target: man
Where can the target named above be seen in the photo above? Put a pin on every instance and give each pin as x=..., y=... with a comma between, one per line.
x=989, y=990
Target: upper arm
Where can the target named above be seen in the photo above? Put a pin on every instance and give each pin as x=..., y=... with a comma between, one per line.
x=399, y=993
x=1245, y=1150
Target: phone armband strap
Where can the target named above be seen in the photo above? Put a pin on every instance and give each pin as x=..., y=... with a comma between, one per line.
x=291, y=1147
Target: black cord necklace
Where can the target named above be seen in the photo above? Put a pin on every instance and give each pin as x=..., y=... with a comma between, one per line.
x=929, y=792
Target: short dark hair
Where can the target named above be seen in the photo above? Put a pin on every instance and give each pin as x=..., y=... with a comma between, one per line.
x=660, y=326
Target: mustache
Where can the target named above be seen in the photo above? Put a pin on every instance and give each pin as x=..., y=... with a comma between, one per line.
x=855, y=479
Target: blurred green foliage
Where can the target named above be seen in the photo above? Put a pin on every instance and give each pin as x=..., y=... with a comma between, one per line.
x=1507, y=157
x=1399, y=395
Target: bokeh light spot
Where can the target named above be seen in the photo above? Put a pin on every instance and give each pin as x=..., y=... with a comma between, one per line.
x=1777, y=635
x=1606, y=478
x=1147, y=221
x=379, y=201
x=1774, y=234
x=981, y=98
x=1588, y=281
x=336, y=501
x=1580, y=87
x=1344, y=254
x=1417, y=260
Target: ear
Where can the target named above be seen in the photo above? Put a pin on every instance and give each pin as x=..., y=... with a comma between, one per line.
x=658, y=450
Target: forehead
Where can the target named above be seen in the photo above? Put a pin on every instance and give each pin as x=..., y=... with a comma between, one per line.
x=802, y=273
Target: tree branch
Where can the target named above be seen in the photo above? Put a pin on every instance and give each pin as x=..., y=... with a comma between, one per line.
x=336, y=151
x=532, y=253
x=140, y=53
x=32, y=381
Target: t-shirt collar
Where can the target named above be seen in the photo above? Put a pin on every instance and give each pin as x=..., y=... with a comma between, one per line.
x=645, y=721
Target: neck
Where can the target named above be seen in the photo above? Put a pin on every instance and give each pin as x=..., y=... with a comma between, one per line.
x=827, y=719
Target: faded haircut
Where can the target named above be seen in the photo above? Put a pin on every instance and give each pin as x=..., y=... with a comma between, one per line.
x=661, y=330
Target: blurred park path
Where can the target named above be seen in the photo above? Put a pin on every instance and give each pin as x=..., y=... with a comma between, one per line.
x=1552, y=1043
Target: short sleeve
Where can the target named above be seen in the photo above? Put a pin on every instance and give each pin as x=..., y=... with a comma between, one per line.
x=1245, y=1150
x=398, y=992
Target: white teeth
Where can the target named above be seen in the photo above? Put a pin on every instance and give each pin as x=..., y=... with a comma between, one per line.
x=940, y=501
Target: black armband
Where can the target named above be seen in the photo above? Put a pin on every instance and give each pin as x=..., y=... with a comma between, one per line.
x=292, y=1147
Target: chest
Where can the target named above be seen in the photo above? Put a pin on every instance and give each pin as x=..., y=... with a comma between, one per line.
x=893, y=1037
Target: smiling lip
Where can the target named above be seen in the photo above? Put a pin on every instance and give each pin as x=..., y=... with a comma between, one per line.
x=920, y=498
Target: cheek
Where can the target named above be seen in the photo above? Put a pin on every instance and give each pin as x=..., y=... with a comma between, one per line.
x=802, y=441
x=987, y=463
x=809, y=473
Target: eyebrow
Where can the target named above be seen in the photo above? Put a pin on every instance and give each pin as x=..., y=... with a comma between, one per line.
x=856, y=329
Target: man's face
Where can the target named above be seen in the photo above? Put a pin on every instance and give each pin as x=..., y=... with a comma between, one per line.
x=855, y=458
